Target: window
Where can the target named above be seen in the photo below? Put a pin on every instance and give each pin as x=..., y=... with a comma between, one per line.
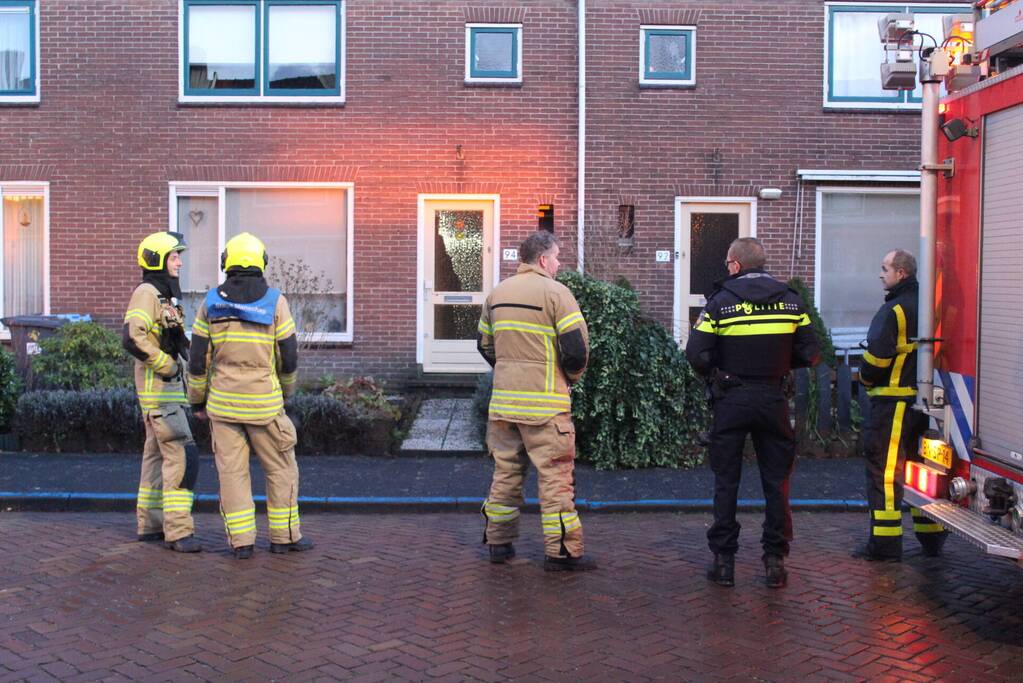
x=855, y=229
x=24, y=239
x=854, y=53
x=262, y=51
x=19, y=59
x=667, y=55
x=493, y=53
x=307, y=230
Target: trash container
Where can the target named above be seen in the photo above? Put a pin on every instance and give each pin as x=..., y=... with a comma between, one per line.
x=26, y=332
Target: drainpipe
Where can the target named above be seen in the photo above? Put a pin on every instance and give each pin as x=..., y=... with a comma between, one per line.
x=580, y=237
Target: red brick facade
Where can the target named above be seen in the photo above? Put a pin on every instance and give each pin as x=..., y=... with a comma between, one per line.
x=109, y=135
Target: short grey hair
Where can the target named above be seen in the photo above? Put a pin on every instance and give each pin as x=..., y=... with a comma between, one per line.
x=748, y=251
x=904, y=261
x=536, y=245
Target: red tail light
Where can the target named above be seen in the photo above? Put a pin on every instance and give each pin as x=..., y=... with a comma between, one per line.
x=926, y=480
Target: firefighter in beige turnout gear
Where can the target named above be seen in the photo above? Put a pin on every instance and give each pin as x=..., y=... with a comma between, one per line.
x=533, y=334
x=244, y=362
x=154, y=334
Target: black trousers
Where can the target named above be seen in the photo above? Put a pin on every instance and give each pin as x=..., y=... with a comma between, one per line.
x=762, y=411
x=892, y=436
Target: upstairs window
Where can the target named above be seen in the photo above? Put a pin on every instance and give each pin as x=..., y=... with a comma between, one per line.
x=493, y=53
x=19, y=59
x=667, y=55
x=854, y=53
x=262, y=50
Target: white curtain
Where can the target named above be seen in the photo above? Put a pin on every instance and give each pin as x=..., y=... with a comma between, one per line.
x=23, y=255
x=14, y=48
x=302, y=40
x=223, y=38
x=197, y=221
x=856, y=56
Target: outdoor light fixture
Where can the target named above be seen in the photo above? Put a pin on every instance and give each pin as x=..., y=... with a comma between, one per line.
x=957, y=128
x=769, y=193
x=892, y=27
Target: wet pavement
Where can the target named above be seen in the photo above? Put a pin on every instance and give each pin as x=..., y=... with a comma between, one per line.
x=410, y=597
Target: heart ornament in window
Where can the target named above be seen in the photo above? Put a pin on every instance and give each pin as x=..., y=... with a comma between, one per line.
x=196, y=216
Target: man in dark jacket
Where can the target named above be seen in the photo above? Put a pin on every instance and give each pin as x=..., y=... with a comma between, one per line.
x=751, y=333
x=894, y=429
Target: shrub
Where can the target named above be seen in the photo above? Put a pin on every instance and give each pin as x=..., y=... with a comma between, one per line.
x=327, y=425
x=82, y=355
x=10, y=387
x=639, y=404
x=363, y=396
x=819, y=328
x=97, y=420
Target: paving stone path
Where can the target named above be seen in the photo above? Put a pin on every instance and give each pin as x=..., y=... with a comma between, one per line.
x=444, y=426
x=410, y=597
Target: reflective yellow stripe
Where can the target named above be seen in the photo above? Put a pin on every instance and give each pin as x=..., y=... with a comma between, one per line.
x=484, y=328
x=754, y=318
x=268, y=411
x=231, y=395
x=888, y=515
x=560, y=402
x=892, y=458
x=523, y=327
x=757, y=329
x=891, y=391
x=568, y=321
x=161, y=360
x=888, y=531
x=251, y=512
x=141, y=315
x=505, y=409
x=285, y=329
x=200, y=328
x=928, y=528
x=549, y=367
x=542, y=394
x=238, y=338
x=804, y=320
x=706, y=325
x=875, y=361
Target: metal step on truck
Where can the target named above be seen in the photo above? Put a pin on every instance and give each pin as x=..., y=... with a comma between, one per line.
x=970, y=338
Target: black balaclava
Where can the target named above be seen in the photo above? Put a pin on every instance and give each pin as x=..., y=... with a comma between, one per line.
x=169, y=287
x=243, y=285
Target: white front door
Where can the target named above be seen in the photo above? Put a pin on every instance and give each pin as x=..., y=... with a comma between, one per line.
x=705, y=228
x=457, y=276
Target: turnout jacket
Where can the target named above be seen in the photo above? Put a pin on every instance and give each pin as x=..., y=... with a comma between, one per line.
x=533, y=334
x=244, y=358
x=753, y=327
x=157, y=372
x=889, y=363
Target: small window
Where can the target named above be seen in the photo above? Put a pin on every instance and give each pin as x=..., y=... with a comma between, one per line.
x=23, y=234
x=262, y=50
x=667, y=55
x=493, y=53
x=545, y=217
x=19, y=66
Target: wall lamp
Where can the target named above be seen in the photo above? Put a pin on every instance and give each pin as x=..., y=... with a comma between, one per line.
x=957, y=128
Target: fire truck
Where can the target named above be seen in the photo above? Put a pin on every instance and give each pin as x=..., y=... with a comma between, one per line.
x=970, y=475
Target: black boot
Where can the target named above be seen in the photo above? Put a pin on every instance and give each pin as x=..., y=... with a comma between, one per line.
x=502, y=552
x=774, y=568
x=568, y=564
x=932, y=546
x=722, y=570
x=188, y=544
x=243, y=552
x=296, y=547
x=151, y=537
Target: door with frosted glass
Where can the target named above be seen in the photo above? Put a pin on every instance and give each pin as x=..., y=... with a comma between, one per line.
x=706, y=230
x=458, y=275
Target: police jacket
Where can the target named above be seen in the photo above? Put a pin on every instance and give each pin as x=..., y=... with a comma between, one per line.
x=157, y=372
x=753, y=327
x=244, y=357
x=889, y=363
x=533, y=334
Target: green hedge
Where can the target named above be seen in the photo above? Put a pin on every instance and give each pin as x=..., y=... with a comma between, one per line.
x=639, y=404
x=10, y=388
x=819, y=328
x=82, y=355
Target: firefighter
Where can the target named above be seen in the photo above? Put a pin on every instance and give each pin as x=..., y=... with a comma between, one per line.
x=751, y=333
x=894, y=429
x=154, y=334
x=534, y=336
x=244, y=362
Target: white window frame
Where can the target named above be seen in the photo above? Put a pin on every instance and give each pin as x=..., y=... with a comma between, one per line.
x=881, y=7
x=469, y=78
x=33, y=188
x=691, y=53
x=30, y=99
x=219, y=190
x=333, y=100
x=908, y=191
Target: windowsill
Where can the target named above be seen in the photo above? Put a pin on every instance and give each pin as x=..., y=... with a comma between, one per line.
x=493, y=84
x=850, y=108
x=302, y=102
x=667, y=86
x=19, y=101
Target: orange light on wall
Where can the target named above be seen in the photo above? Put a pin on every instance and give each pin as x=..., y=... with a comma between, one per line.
x=926, y=480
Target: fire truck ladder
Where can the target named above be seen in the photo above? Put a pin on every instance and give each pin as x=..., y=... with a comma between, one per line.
x=976, y=529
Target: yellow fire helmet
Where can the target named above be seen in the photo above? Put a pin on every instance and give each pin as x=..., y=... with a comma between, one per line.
x=244, y=250
x=153, y=250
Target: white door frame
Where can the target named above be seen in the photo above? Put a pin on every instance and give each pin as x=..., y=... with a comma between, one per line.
x=678, y=321
x=421, y=251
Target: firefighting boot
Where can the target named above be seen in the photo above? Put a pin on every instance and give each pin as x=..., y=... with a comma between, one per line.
x=568, y=564
x=243, y=552
x=502, y=552
x=296, y=547
x=722, y=570
x=774, y=568
x=151, y=537
x=188, y=544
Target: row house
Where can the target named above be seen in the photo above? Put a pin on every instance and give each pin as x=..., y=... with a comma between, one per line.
x=392, y=154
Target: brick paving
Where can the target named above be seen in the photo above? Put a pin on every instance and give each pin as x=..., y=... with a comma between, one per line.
x=409, y=597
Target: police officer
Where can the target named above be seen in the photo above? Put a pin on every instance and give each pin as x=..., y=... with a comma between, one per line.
x=894, y=430
x=244, y=362
x=154, y=334
x=533, y=334
x=748, y=337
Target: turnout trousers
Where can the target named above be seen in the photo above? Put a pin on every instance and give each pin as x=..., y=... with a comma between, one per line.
x=170, y=466
x=551, y=448
x=274, y=445
x=760, y=410
x=893, y=435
